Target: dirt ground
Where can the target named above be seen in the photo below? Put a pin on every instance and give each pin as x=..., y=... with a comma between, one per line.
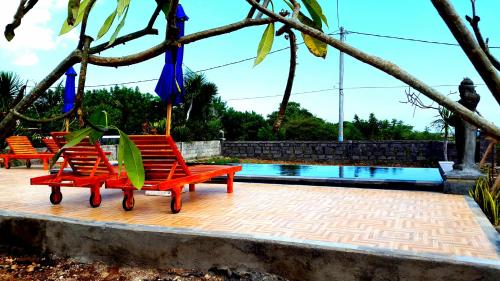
x=31, y=268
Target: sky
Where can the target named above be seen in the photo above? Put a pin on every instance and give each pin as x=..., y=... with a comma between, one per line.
x=37, y=49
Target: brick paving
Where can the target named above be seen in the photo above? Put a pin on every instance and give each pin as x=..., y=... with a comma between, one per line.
x=408, y=221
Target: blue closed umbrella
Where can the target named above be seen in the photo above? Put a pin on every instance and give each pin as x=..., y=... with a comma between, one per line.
x=170, y=86
x=69, y=90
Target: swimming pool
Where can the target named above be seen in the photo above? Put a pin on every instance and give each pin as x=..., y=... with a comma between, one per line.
x=356, y=176
x=352, y=172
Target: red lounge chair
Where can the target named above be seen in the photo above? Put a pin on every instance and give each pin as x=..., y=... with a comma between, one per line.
x=51, y=144
x=21, y=148
x=165, y=169
x=90, y=168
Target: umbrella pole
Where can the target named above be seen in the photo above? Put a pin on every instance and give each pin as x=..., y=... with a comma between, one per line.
x=66, y=124
x=169, y=118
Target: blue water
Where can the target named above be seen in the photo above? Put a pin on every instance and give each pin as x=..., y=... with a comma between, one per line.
x=348, y=172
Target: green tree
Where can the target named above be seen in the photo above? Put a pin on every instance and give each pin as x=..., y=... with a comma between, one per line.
x=300, y=124
x=10, y=95
x=127, y=108
x=245, y=126
x=10, y=84
x=442, y=124
x=198, y=118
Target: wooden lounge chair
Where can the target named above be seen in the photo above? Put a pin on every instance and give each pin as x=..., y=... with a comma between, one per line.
x=90, y=168
x=21, y=148
x=165, y=169
x=51, y=144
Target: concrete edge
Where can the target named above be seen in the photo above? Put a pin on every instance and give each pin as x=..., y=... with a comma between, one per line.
x=347, y=182
x=485, y=224
x=57, y=235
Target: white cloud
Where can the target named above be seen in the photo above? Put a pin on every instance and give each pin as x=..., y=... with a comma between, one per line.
x=26, y=59
x=34, y=35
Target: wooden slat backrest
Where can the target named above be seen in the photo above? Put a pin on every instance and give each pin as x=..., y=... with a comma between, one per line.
x=161, y=157
x=85, y=159
x=21, y=145
x=51, y=144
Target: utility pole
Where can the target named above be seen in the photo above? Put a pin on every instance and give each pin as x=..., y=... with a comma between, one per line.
x=341, y=89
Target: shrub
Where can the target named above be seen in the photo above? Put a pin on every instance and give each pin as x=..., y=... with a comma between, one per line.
x=488, y=200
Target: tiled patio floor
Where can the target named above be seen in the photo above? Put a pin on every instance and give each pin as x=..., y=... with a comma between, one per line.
x=408, y=221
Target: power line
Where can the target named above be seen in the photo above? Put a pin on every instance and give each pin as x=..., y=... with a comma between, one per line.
x=197, y=71
x=280, y=95
x=408, y=39
x=347, y=88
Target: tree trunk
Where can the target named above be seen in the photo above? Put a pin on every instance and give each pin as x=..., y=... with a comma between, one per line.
x=289, y=83
x=470, y=47
x=445, y=144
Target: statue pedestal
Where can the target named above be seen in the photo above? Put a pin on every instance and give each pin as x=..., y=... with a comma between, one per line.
x=460, y=181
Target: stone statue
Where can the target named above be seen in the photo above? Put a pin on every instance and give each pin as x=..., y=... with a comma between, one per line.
x=465, y=133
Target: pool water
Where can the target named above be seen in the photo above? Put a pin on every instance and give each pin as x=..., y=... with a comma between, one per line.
x=347, y=172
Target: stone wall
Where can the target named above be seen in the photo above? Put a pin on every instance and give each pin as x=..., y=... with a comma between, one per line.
x=370, y=152
x=189, y=150
x=200, y=149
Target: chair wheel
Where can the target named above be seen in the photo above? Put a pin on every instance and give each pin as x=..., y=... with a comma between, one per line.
x=55, y=197
x=95, y=200
x=172, y=206
x=28, y=164
x=128, y=203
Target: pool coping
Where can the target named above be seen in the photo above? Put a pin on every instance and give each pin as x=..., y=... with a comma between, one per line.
x=342, y=182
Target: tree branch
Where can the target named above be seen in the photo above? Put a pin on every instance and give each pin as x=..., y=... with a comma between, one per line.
x=252, y=11
x=48, y=120
x=265, y=4
x=161, y=48
x=172, y=29
x=81, y=79
x=289, y=83
x=122, y=40
x=388, y=68
x=39, y=89
x=474, y=22
x=470, y=47
x=24, y=7
x=84, y=23
x=155, y=14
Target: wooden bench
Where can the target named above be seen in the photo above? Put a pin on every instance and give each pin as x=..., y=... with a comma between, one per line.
x=21, y=148
x=165, y=169
x=90, y=168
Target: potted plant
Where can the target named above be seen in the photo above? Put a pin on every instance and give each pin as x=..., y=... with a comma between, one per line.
x=444, y=126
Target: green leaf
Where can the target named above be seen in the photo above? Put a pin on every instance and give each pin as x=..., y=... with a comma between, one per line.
x=133, y=161
x=54, y=159
x=99, y=118
x=76, y=137
x=118, y=28
x=122, y=4
x=315, y=11
x=73, y=6
x=106, y=25
x=266, y=44
x=66, y=27
x=315, y=46
x=120, y=156
x=95, y=136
